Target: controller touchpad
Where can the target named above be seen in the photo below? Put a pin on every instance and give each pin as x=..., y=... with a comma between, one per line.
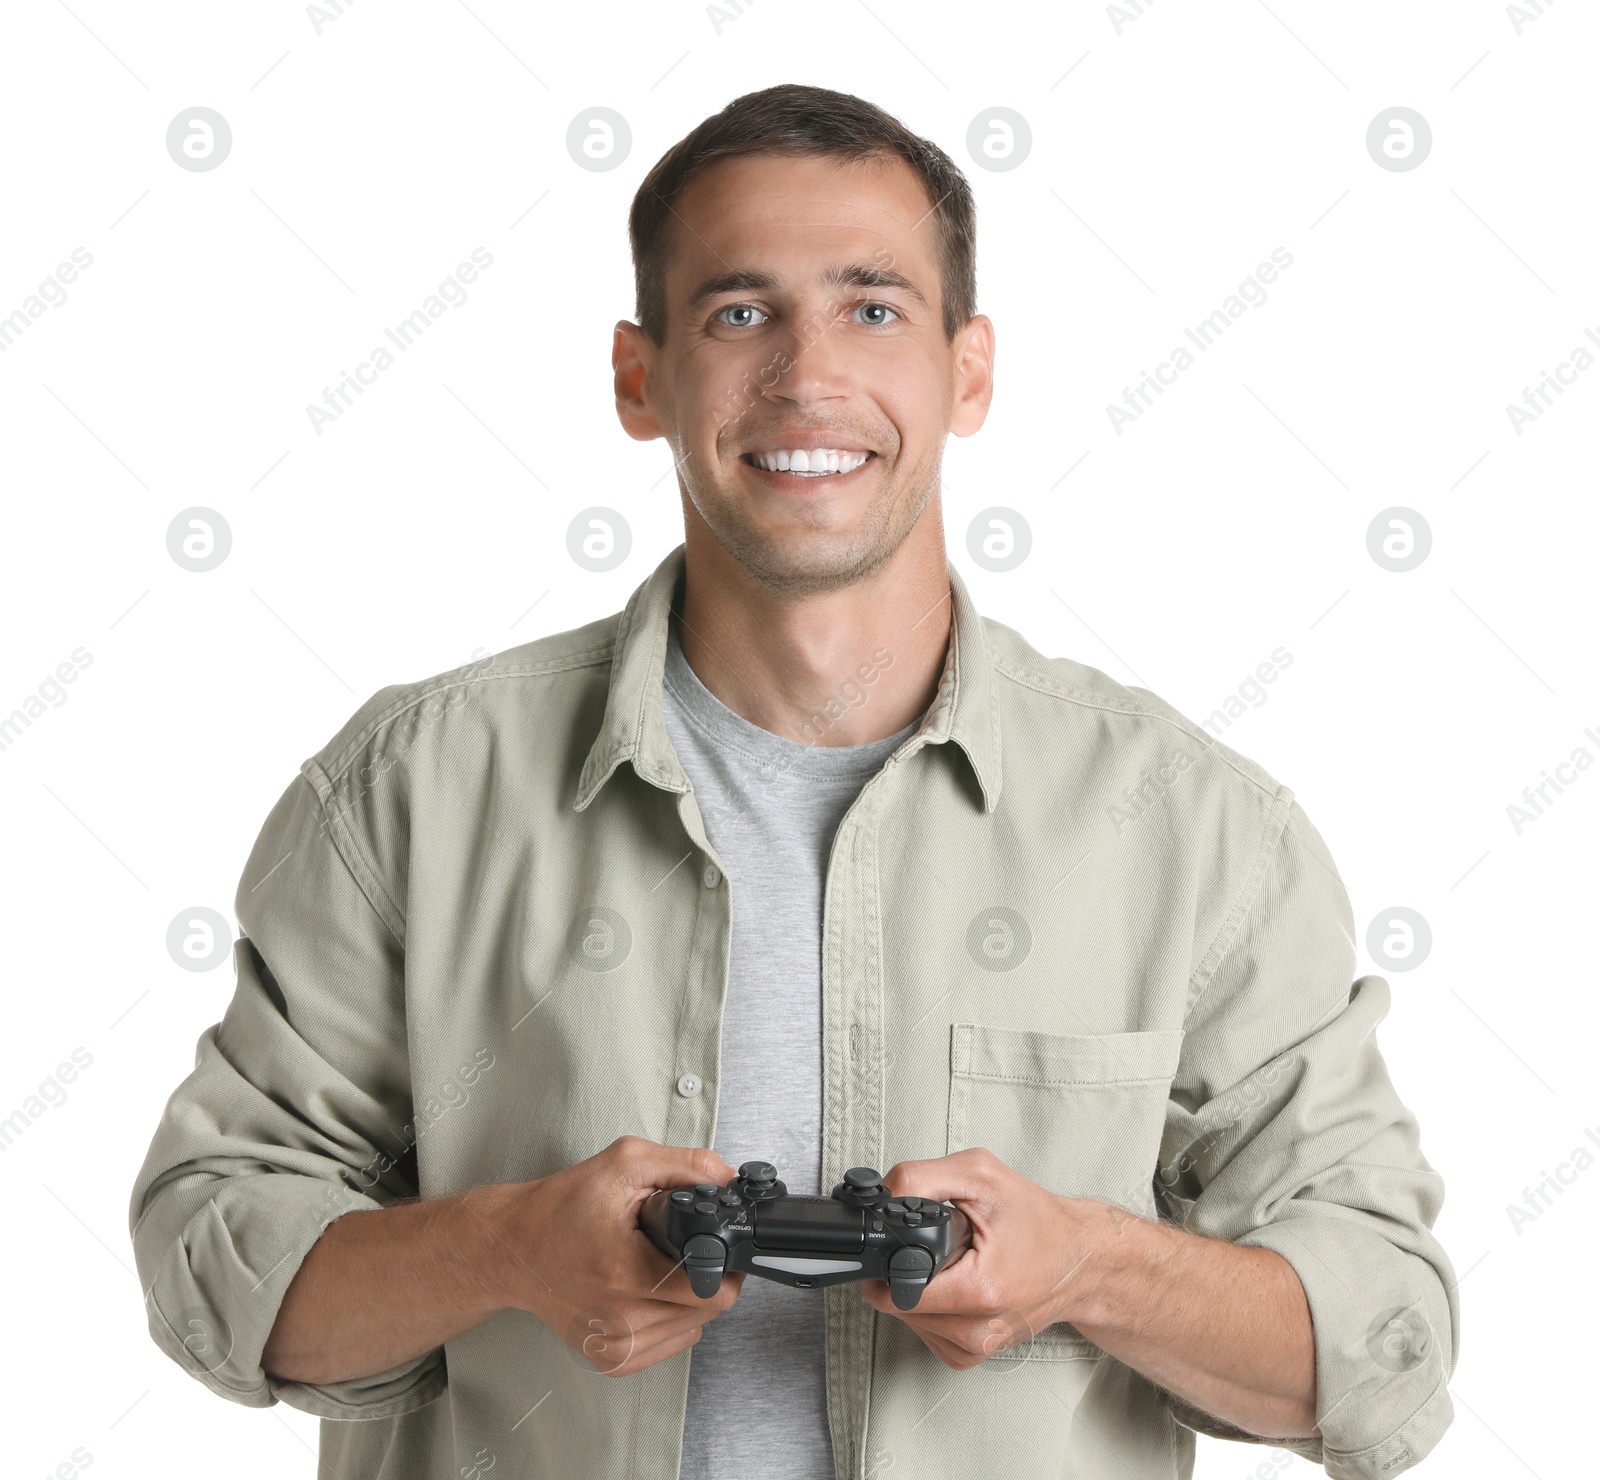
x=801, y=1223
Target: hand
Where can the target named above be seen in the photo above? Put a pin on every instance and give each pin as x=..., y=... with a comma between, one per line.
x=1027, y=1244
x=575, y=1256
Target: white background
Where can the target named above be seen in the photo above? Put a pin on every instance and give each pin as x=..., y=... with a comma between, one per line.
x=1167, y=162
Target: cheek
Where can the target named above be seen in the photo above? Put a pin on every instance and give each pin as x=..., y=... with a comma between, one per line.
x=710, y=376
x=910, y=401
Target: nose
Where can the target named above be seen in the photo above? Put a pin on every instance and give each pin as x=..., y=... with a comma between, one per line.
x=819, y=361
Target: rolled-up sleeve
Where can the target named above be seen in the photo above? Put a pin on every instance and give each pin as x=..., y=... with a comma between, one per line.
x=296, y=1114
x=1284, y=1131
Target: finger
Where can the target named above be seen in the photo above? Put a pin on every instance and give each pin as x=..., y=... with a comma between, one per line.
x=646, y=1165
x=632, y=1351
x=977, y=1337
x=951, y=1353
x=957, y=1289
x=969, y=1176
x=623, y=1336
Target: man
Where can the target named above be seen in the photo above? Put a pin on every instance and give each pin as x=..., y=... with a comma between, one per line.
x=801, y=858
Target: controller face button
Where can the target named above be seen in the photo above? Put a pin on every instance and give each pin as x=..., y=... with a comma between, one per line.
x=705, y=1207
x=706, y=1190
x=729, y=1199
x=682, y=1197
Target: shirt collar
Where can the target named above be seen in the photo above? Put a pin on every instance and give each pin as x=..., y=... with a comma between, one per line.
x=633, y=729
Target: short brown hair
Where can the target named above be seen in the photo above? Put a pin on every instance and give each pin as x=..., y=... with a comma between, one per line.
x=796, y=120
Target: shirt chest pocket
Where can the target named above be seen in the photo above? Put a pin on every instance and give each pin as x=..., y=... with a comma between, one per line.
x=1080, y=1114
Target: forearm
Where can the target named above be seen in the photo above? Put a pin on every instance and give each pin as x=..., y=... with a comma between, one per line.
x=1223, y=1326
x=380, y=1287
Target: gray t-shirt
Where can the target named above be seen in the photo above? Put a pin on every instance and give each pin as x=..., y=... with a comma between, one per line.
x=758, y=1406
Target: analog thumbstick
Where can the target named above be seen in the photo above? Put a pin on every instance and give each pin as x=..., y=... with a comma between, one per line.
x=759, y=1173
x=862, y=1179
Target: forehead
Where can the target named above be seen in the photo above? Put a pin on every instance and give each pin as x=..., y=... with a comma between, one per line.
x=790, y=214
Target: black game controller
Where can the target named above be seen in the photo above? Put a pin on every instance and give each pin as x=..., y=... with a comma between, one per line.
x=753, y=1226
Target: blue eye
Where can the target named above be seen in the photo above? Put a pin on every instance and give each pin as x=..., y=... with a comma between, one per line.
x=740, y=308
x=882, y=308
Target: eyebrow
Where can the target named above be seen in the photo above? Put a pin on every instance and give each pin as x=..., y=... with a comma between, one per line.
x=840, y=275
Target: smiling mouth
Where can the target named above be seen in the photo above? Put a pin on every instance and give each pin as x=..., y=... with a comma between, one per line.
x=821, y=462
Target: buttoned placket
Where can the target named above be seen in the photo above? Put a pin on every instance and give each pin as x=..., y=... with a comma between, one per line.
x=852, y=1045
x=700, y=885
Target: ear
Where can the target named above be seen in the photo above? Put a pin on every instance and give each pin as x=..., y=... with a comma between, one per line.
x=632, y=358
x=974, y=375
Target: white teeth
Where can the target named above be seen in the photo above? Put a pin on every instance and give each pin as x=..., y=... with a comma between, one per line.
x=812, y=461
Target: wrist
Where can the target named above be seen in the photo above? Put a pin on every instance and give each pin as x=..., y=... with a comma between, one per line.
x=482, y=1234
x=1102, y=1242
x=506, y=1242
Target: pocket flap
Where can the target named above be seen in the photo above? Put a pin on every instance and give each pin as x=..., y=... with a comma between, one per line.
x=1026, y=1056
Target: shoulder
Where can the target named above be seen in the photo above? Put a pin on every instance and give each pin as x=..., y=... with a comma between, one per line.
x=1061, y=695
x=528, y=683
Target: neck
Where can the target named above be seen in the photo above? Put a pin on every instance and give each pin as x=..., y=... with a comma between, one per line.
x=840, y=667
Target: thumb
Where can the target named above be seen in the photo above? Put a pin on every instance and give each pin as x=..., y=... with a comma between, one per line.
x=649, y=1164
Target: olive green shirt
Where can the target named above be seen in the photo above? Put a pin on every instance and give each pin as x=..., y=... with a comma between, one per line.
x=484, y=935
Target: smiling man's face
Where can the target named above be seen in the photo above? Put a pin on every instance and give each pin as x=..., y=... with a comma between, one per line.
x=805, y=383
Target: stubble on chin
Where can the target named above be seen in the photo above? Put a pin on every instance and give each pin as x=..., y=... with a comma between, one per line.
x=814, y=562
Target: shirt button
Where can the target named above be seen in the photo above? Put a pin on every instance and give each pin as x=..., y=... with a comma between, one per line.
x=711, y=876
x=689, y=1085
